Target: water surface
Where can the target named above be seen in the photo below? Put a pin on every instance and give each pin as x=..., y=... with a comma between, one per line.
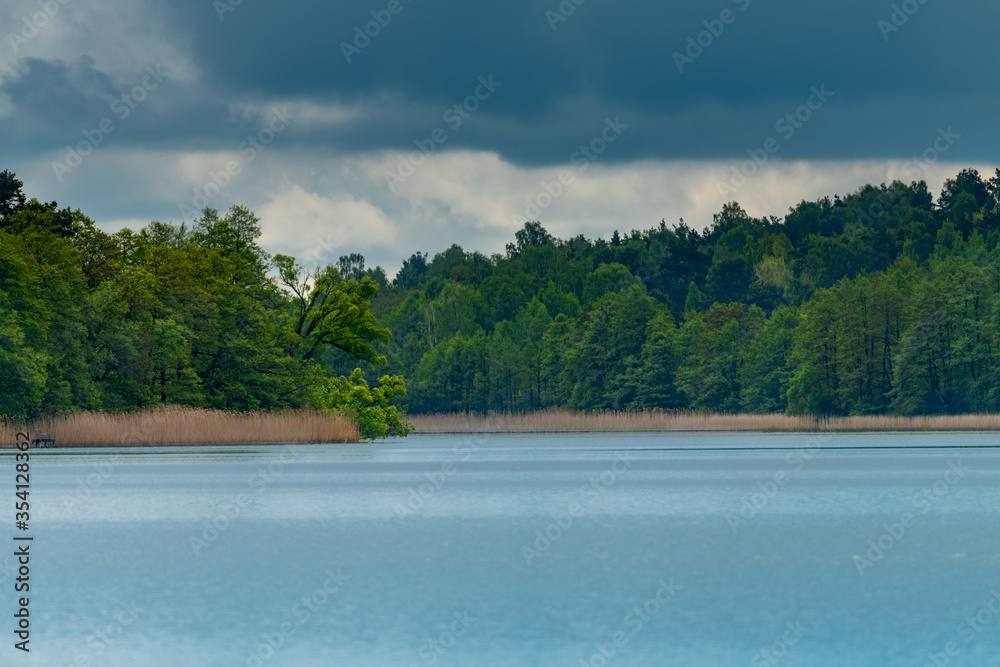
x=518, y=550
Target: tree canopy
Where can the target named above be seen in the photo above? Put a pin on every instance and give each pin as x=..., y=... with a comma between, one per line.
x=195, y=315
x=879, y=301
x=884, y=300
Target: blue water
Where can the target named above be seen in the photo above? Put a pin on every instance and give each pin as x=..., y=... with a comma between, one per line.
x=516, y=550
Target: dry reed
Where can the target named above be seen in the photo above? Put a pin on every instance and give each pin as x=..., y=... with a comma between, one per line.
x=176, y=425
x=561, y=421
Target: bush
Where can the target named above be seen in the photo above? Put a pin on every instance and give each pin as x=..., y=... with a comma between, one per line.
x=369, y=407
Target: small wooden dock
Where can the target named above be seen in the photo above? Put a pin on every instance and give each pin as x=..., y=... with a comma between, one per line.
x=43, y=440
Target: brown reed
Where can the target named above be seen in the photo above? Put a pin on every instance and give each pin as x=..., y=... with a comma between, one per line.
x=563, y=421
x=178, y=425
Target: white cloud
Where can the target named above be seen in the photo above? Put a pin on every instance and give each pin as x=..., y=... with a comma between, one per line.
x=315, y=228
x=312, y=201
x=492, y=195
x=304, y=113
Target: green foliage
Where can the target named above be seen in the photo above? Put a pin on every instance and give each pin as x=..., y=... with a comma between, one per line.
x=765, y=374
x=169, y=314
x=650, y=380
x=331, y=311
x=11, y=196
x=857, y=305
x=696, y=300
x=880, y=301
x=24, y=326
x=370, y=407
x=612, y=330
x=173, y=380
x=608, y=278
x=23, y=331
x=718, y=344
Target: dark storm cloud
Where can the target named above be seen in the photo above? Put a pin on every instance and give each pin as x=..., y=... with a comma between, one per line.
x=57, y=101
x=892, y=89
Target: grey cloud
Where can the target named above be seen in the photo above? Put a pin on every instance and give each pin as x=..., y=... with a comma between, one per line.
x=940, y=67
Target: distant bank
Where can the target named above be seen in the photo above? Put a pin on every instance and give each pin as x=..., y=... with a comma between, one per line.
x=559, y=421
x=175, y=425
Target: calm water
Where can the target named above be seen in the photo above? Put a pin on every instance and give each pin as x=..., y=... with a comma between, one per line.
x=517, y=550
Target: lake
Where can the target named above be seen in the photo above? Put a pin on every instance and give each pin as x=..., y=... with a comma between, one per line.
x=613, y=549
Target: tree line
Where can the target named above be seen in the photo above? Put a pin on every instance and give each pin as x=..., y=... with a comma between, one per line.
x=882, y=301
x=193, y=315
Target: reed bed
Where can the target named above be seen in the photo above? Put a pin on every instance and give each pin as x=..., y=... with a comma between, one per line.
x=177, y=425
x=562, y=421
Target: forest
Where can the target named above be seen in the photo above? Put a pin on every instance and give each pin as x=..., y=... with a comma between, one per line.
x=882, y=301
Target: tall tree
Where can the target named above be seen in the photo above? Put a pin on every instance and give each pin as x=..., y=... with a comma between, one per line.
x=330, y=311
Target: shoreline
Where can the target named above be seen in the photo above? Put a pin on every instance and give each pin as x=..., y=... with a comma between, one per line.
x=173, y=445
x=177, y=426
x=706, y=432
x=563, y=422
x=7, y=447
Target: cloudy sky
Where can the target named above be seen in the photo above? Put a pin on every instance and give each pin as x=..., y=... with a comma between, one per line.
x=391, y=126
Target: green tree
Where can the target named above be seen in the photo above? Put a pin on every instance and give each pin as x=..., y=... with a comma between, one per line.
x=608, y=278
x=650, y=380
x=716, y=344
x=371, y=408
x=766, y=375
x=23, y=334
x=11, y=196
x=173, y=378
x=330, y=311
x=612, y=329
x=813, y=389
